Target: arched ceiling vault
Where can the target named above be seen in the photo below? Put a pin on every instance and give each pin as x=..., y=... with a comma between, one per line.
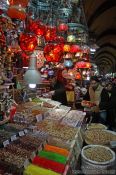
x=101, y=20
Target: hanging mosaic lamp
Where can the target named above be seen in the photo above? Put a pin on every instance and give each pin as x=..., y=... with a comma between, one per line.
x=75, y=48
x=66, y=48
x=68, y=63
x=71, y=39
x=50, y=34
x=62, y=27
x=53, y=53
x=28, y=42
x=17, y=9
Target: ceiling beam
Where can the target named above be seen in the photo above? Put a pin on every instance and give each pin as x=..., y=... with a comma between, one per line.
x=107, y=45
x=111, y=31
x=105, y=52
x=108, y=4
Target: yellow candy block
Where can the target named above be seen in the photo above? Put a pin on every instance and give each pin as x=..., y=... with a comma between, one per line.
x=35, y=170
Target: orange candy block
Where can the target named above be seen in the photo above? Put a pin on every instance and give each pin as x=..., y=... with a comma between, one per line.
x=57, y=150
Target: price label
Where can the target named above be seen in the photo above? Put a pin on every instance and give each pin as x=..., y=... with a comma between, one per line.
x=33, y=155
x=26, y=163
x=26, y=131
x=5, y=143
x=30, y=99
x=39, y=117
x=21, y=133
x=13, y=138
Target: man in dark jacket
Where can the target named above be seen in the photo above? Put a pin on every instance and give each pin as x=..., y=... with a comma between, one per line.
x=58, y=91
x=111, y=106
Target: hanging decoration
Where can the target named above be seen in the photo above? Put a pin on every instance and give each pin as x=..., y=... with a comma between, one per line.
x=78, y=76
x=66, y=48
x=28, y=42
x=59, y=39
x=63, y=27
x=50, y=34
x=17, y=9
x=75, y=48
x=68, y=56
x=68, y=63
x=83, y=65
x=71, y=39
x=53, y=53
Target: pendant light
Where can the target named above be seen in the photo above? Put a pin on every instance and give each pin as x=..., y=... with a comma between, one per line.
x=32, y=75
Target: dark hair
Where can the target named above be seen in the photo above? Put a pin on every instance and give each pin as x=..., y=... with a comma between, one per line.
x=94, y=78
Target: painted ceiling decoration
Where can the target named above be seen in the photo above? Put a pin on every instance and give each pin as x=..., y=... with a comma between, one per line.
x=101, y=21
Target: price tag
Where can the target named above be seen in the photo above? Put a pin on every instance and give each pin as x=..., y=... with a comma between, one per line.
x=21, y=133
x=33, y=155
x=26, y=131
x=26, y=163
x=13, y=138
x=30, y=99
x=39, y=117
x=5, y=143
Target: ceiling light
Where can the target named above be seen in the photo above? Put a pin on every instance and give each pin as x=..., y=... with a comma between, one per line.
x=32, y=75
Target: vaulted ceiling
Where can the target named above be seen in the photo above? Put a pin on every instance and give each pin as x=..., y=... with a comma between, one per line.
x=101, y=20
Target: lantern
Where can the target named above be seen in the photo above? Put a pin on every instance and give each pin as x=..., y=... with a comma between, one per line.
x=68, y=56
x=63, y=27
x=17, y=9
x=67, y=75
x=78, y=76
x=75, y=48
x=50, y=72
x=83, y=65
x=71, y=39
x=59, y=39
x=88, y=65
x=50, y=34
x=66, y=48
x=53, y=53
x=28, y=42
x=68, y=63
x=40, y=30
x=72, y=72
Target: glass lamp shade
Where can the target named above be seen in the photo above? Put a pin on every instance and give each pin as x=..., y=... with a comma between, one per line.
x=32, y=76
x=71, y=39
x=68, y=63
x=78, y=76
x=53, y=53
x=63, y=27
x=23, y=3
x=17, y=9
x=66, y=48
x=75, y=48
x=50, y=34
x=83, y=65
x=28, y=42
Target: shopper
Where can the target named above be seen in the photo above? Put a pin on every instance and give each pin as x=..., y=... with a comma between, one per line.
x=58, y=91
x=98, y=95
x=111, y=107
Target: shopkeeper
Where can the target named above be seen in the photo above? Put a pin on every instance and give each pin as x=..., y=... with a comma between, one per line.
x=58, y=91
x=99, y=96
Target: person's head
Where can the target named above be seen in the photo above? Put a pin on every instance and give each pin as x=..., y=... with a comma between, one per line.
x=94, y=82
x=109, y=87
x=103, y=84
x=53, y=80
